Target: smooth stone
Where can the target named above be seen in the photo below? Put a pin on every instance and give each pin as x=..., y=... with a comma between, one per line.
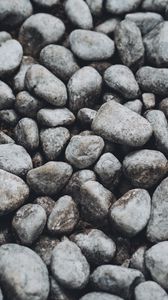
x=46, y=202
x=150, y=290
x=118, y=7
x=27, y=105
x=96, y=6
x=7, y=98
x=163, y=106
x=44, y=247
x=5, y=139
x=55, y=117
x=79, y=13
x=100, y=296
x=9, y=117
x=108, y=26
x=135, y=105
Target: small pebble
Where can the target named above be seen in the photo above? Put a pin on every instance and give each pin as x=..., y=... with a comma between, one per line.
x=7, y=97
x=135, y=105
x=27, y=105
x=79, y=13
x=148, y=100
x=107, y=27
x=86, y=115
x=150, y=290
x=44, y=247
x=55, y=117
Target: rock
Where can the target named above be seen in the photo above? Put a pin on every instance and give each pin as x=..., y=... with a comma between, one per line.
x=163, y=106
x=108, y=26
x=69, y=266
x=79, y=13
x=150, y=290
x=5, y=139
x=15, y=159
x=148, y=100
x=44, y=247
x=43, y=84
x=157, y=226
x=154, y=5
x=50, y=178
x=130, y=214
x=145, y=168
x=121, y=79
x=89, y=45
x=95, y=201
x=14, y=192
x=40, y=30
x=28, y=223
x=135, y=106
x=4, y=36
x=27, y=134
x=11, y=53
x=108, y=169
x=116, y=279
x=86, y=116
x=44, y=4
x=55, y=117
x=96, y=6
x=7, y=97
x=59, y=60
x=9, y=117
x=84, y=88
x=46, y=202
x=57, y=292
x=146, y=21
x=118, y=7
x=116, y=123
x=137, y=260
x=53, y=141
x=129, y=44
x=63, y=217
x=19, y=263
x=27, y=105
x=14, y=12
x=100, y=296
x=97, y=247
x=83, y=151
x=156, y=260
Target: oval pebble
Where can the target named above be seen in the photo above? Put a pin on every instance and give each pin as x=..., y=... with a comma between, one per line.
x=55, y=117
x=79, y=13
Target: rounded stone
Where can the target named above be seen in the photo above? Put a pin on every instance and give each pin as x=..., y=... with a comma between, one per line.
x=44, y=247
x=118, y=7
x=150, y=290
x=7, y=97
x=79, y=13
x=9, y=117
x=86, y=116
x=5, y=36
x=100, y=296
x=135, y=105
x=27, y=105
x=46, y=202
x=108, y=26
x=55, y=117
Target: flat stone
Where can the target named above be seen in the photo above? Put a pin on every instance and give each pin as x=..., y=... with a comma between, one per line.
x=79, y=13
x=100, y=296
x=55, y=117
x=118, y=7
x=27, y=105
x=7, y=97
x=150, y=290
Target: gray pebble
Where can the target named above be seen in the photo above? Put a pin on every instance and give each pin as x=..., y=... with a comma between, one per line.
x=63, y=217
x=135, y=105
x=55, y=117
x=137, y=260
x=27, y=105
x=86, y=116
x=118, y=7
x=4, y=36
x=20, y=265
x=46, y=202
x=154, y=5
x=40, y=30
x=148, y=100
x=97, y=247
x=50, y=178
x=90, y=45
x=5, y=139
x=46, y=4
x=118, y=124
x=83, y=151
x=121, y=79
x=150, y=290
x=7, y=97
x=100, y=296
x=145, y=168
x=44, y=247
x=59, y=60
x=28, y=223
x=108, y=26
x=57, y=292
x=79, y=13
x=129, y=44
x=9, y=117
x=84, y=88
x=14, y=192
x=96, y=6
x=163, y=106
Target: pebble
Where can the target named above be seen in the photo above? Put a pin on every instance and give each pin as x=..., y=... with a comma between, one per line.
x=15, y=159
x=137, y=260
x=46, y=4
x=145, y=168
x=43, y=84
x=79, y=13
x=19, y=264
x=96, y=6
x=57, y=292
x=118, y=7
x=156, y=260
x=4, y=36
x=150, y=290
x=96, y=246
x=28, y=223
x=64, y=216
x=157, y=226
x=86, y=115
x=44, y=247
x=84, y=88
x=69, y=266
x=154, y=5
x=116, y=279
x=108, y=169
x=83, y=151
x=50, y=178
x=39, y=30
x=116, y=123
x=121, y=79
x=59, y=60
x=27, y=105
x=14, y=192
x=107, y=27
x=135, y=105
x=100, y=296
x=14, y=12
x=46, y=202
x=55, y=117
x=95, y=201
x=9, y=117
x=27, y=134
x=129, y=44
x=11, y=53
x=163, y=106
x=5, y=139
x=146, y=21
x=7, y=97
x=148, y=100
x=53, y=141
x=89, y=45
x=130, y=214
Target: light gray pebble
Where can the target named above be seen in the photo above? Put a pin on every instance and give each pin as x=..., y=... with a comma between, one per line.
x=129, y=44
x=53, y=141
x=50, y=178
x=90, y=45
x=137, y=260
x=59, y=60
x=145, y=168
x=28, y=223
x=46, y=202
x=63, y=217
x=5, y=139
x=44, y=247
x=55, y=117
x=14, y=192
x=39, y=30
x=118, y=7
x=100, y=296
x=27, y=105
x=108, y=26
x=84, y=88
x=154, y=5
x=150, y=290
x=163, y=106
x=121, y=79
x=86, y=116
x=135, y=105
x=96, y=6
x=4, y=36
x=9, y=117
x=69, y=266
x=83, y=151
x=116, y=123
x=18, y=265
x=148, y=100
x=79, y=13
x=46, y=4
x=7, y=97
